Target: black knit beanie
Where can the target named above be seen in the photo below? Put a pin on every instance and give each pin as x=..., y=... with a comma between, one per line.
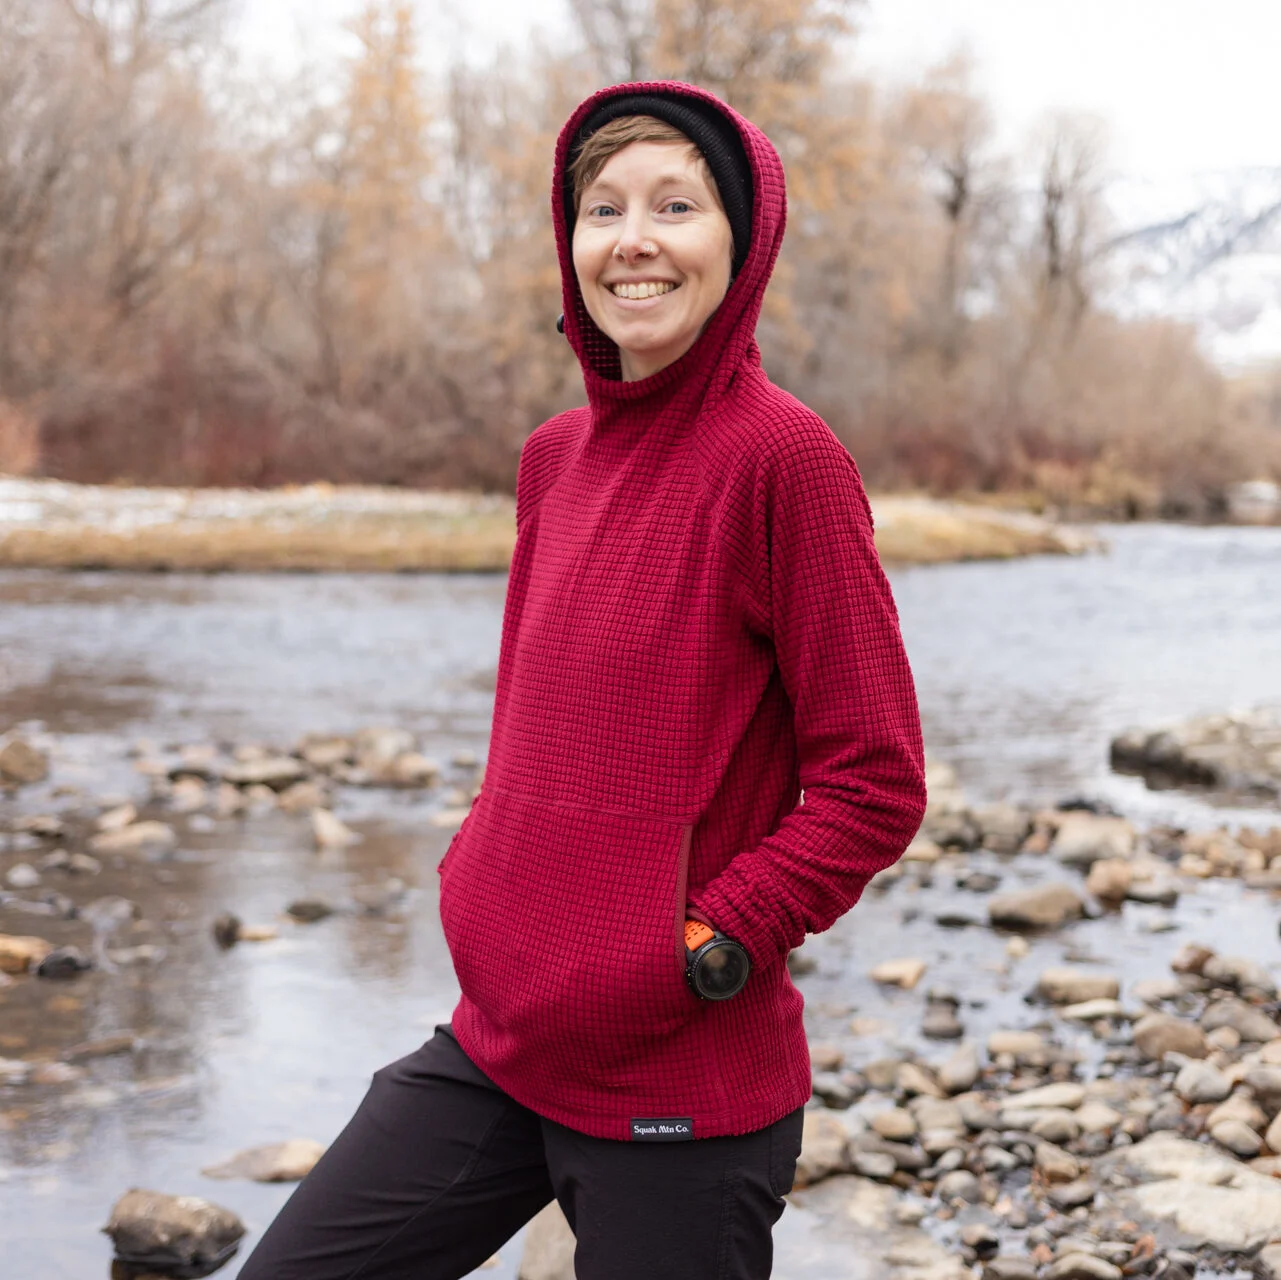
x=709, y=130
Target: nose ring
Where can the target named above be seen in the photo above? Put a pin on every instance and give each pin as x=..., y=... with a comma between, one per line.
x=647, y=249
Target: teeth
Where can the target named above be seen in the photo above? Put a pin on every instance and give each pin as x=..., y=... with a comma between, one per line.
x=650, y=289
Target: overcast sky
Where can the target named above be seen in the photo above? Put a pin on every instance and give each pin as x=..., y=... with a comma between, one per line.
x=1184, y=85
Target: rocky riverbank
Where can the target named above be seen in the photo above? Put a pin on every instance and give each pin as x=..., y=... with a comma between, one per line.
x=1237, y=756
x=1106, y=1120
x=52, y=525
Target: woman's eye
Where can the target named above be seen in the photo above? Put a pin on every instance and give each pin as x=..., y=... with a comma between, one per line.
x=604, y=211
x=678, y=206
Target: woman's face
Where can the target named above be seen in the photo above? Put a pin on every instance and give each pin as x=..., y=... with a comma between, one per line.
x=652, y=252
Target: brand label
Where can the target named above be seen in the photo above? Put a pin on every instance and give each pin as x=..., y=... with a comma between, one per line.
x=665, y=1129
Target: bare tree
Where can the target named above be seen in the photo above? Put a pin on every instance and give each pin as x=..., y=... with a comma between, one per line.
x=619, y=35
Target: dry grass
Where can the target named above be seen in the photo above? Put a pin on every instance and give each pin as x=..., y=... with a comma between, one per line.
x=395, y=533
x=922, y=531
x=359, y=546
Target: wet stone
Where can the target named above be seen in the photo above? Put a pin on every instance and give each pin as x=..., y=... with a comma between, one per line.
x=63, y=963
x=172, y=1232
x=960, y=1185
x=1072, y=1194
x=833, y=1090
x=1200, y=1082
x=1044, y=907
x=22, y=875
x=1071, y=986
x=1248, y=1021
x=1160, y=1033
x=309, y=910
x=1010, y=1268
x=874, y=1164
x=1238, y=1138
x=1082, y=1266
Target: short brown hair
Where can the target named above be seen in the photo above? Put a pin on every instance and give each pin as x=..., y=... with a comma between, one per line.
x=611, y=138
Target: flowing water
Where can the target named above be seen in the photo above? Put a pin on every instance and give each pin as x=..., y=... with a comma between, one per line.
x=1025, y=670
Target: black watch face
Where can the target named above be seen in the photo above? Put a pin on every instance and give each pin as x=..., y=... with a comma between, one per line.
x=722, y=970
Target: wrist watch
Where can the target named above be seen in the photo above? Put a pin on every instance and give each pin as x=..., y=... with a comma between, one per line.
x=716, y=967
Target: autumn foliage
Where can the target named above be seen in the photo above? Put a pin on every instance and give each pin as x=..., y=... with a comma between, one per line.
x=211, y=276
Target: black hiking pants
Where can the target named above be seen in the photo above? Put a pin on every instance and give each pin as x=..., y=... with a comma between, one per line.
x=439, y=1168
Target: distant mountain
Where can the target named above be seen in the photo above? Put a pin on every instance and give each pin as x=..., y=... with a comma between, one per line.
x=1206, y=249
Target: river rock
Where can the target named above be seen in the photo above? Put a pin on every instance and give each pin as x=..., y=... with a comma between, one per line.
x=549, y=1247
x=63, y=963
x=916, y=1081
x=276, y=772
x=1081, y=1266
x=1209, y=1198
x=1044, y=907
x=309, y=910
x=960, y=1184
x=824, y=1148
x=1239, y=973
x=1273, y=1135
x=1248, y=1021
x=22, y=875
x=1238, y=1138
x=961, y=1071
x=19, y=954
x=1075, y=986
x=895, y=1125
x=172, y=1232
x=330, y=832
x=922, y=850
x=1199, y=1082
x=1092, y=1011
x=1110, y=879
x=1095, y=1116
x=1265, y=1082
x=1026, y=1047
x=1002, y=828
x=1072, y=1195
x=289, y=1161
x=1008, y=1267
x=1056, y=1125
x=1270, y=1262
x=904, y=973
x=941, y=1023
x=147, y=838
x=1061, y=1097
x=117, y=818
x=1238, y=1107
x=21, y=764
x=1083, y=839
x=303, y=797
x=1054, y=1164
x=411, y=769
x=1160, y=1033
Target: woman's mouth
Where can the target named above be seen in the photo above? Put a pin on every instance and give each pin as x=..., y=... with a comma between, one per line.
x=642, y=289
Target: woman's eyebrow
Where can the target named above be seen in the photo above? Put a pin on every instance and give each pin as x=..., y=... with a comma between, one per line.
x=663, y=180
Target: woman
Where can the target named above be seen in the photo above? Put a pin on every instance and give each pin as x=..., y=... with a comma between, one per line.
x=696, y=628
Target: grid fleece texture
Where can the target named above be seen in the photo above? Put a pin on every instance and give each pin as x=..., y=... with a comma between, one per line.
x=696, y=628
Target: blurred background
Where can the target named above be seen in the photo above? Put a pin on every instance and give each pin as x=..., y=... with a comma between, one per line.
x=1034, y=249
x=278, y=292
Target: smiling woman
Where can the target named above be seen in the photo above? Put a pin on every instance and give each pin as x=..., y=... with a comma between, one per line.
x=697, y=628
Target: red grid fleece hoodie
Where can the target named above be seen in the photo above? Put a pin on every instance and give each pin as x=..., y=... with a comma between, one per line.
x=697, y=628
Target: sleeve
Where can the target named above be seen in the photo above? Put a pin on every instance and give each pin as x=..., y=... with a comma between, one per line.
x=811, y=570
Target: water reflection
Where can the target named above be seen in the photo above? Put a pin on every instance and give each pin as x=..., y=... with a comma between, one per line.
x=1025, y=670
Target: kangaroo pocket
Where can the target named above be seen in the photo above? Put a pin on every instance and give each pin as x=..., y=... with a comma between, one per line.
x=565, y=929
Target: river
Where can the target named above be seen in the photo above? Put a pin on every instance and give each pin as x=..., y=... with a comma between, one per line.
x=1025, y=669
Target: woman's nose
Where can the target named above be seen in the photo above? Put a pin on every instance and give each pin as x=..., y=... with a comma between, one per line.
x=635, y=243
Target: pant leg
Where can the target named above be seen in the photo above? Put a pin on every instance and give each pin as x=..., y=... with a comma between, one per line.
x=437, y=1170
x=701, y=1210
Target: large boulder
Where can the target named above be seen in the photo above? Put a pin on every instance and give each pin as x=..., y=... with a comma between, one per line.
x=170, y=1233
x=1208, y=1198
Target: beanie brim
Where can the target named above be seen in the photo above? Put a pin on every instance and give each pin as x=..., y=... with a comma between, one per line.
x=708, y=129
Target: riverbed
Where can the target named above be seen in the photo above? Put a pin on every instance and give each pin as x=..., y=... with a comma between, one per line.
x=1025, y=670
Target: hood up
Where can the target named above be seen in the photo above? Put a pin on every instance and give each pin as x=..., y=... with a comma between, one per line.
x=728, y=340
